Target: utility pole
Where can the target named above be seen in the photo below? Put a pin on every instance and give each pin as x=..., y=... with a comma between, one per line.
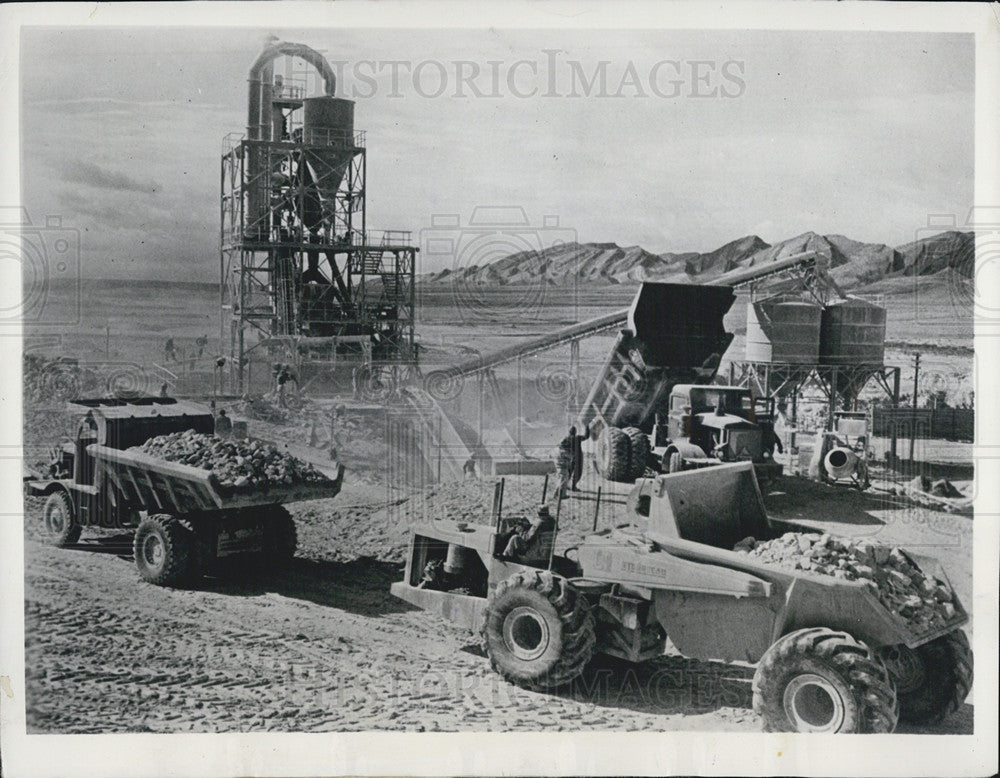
x=913, y=422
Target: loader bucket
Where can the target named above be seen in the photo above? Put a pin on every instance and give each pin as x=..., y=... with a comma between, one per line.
x=717, y=506
x=680, y=325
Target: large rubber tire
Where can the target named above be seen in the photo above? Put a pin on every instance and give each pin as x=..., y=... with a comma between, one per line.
x=820, y=680
x=639, y=451
x=675, y=463
x=59, y=520
x=933, y=680
x=163, y=550
x=614, y=453
x=538, y=631
x=280, y=536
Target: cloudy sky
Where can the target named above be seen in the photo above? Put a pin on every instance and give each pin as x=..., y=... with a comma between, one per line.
x=676, y=141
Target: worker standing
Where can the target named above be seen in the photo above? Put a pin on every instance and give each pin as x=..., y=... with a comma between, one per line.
x=771, y=439
x=282, y=380
x=336, y=422
x=564, y=461
x=577, y=456
x=169, y=351
x=223, y=425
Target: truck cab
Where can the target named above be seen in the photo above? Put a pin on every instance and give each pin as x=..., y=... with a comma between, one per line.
x=708, y=424
x=80, y=492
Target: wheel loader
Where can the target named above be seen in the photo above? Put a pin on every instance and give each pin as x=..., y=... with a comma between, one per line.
x=829, y=656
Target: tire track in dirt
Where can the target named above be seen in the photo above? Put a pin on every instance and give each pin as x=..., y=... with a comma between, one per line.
x=323, y=646
x=175, y=660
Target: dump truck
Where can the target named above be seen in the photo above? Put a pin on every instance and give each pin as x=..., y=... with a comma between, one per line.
x=653, y=404
x=185, y=519
x=829, y=655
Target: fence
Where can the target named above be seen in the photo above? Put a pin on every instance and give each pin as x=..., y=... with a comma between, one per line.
x=938, y=423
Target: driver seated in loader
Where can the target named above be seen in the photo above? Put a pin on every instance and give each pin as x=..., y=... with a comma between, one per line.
x=528, y=543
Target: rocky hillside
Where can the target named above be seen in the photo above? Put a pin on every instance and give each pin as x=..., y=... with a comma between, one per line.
x=588, y=262
x=852, y=263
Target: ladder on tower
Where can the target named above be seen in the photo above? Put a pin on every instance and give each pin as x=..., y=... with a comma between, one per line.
x=370, y=263
x=392, y=289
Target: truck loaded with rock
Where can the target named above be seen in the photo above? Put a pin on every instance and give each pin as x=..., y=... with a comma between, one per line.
x=846, y=636
x=155, y=465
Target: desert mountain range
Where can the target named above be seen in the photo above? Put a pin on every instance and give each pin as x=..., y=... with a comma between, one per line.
x=853, y=264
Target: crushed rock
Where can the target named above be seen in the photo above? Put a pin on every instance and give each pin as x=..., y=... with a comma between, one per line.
x=238, y=463
x=923, y=601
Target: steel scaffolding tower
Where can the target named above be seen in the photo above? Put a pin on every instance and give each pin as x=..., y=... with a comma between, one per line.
x=302, y=279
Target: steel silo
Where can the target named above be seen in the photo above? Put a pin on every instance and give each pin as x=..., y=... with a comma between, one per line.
x=783, y=329
x=852, y=333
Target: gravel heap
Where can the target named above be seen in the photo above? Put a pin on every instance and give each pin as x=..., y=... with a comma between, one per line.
x=922, y=600
x=237, y=463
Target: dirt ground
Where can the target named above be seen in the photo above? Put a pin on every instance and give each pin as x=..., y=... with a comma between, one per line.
x=323, y=646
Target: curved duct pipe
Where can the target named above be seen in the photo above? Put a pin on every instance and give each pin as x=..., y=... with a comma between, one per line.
x=260, y=124
x=840, y=462
x=259, y=103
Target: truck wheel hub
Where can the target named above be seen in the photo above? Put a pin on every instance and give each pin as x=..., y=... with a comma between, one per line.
x=813, y=704
x=905, y=667
x=152, y=551
x=55, y=519
x=525, y=633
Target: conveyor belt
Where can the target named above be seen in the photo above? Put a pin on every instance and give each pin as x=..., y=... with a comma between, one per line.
x=612, y=321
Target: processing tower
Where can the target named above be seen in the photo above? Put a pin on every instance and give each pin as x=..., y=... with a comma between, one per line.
x=302, y=279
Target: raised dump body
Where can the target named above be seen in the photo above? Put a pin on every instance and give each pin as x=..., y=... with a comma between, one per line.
x=674, y=334
x=675, y=337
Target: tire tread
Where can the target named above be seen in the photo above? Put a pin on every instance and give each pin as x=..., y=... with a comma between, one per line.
x=178, y=534
x=864, y=672
x=578, y=639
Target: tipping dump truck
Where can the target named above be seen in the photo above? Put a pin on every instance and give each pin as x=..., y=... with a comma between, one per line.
x=653, y=404
x=831, y=656
x=185, y=519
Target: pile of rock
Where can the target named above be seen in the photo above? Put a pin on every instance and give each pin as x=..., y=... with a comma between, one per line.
x=940, y=495
x=922, y=600
x=237, y=463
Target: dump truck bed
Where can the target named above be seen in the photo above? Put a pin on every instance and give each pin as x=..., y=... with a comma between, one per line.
x=170, y=487
x=716, y=603
x=674, y=334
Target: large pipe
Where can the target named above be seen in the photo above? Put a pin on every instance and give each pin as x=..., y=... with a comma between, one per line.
x=745, y=275
x=260, y=126
x=257, y=79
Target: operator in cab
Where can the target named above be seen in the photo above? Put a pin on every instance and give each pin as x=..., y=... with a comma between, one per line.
x=523, y=544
